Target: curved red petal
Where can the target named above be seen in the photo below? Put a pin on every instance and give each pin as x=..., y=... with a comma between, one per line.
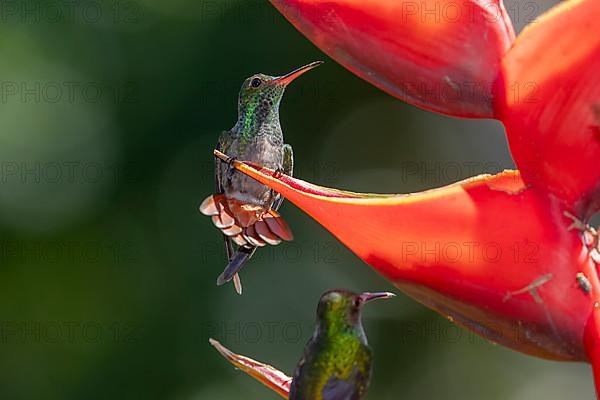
x=265, y=374
x=489, y=253
x=551, y=108
x=441, y=55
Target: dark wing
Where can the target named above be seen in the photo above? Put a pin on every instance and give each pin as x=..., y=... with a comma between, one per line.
x=352, y=388
x=299, y=373
x=288, y=169
x=337, y=389
x=219, y=189
x=288, y=160
x=218, y=177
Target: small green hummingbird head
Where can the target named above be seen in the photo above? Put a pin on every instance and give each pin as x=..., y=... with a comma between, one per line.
x=339, y=310
x=261, y=95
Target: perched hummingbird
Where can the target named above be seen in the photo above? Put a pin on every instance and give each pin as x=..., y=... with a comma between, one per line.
x=244, y=210
x=337, y=361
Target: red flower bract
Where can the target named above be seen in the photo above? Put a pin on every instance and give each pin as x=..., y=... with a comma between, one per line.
x=442, y=55
x=551, y=107
x=265, y=374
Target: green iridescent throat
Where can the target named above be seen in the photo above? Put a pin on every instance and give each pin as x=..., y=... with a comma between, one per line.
x=258, y=111
x=340, y=318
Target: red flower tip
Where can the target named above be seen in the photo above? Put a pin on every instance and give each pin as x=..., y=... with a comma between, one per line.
x=265, y=374
x=441, y=55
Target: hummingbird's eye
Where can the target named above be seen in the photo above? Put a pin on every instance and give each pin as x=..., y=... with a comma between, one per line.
x=357, y=302
x=256, y=82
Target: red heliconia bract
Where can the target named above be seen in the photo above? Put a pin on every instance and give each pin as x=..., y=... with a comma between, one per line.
x=551, y=109
x=265, y=374
x=498, y=254
x=441, y=55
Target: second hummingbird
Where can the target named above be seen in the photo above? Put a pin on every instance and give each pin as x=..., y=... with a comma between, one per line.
x=337, y=362
x=244, y=210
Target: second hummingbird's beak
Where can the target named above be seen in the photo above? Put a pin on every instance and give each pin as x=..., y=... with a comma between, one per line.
x=367, y=297
x=287, y=79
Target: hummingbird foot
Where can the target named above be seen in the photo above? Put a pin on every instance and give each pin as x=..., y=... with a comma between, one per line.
x=278, y=173
x=226, y=159
x=275, y=197
x=223, y=157
x=230, y=161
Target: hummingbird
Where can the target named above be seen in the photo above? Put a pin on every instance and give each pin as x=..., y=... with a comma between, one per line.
x=337, y=361
x=244, y=210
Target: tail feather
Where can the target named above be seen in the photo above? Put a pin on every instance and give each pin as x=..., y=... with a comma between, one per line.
x=210, y=205
x=223, y=220
x=278, y=226
x=263, y=231
x=237, y=284
x=245, y=225
x=233, y=230
x=248, y=226
x=239, y=240
x=252, y=237
x=237, y=262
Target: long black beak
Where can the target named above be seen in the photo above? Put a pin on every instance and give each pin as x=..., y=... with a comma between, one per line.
x=367, y=297
x=287, y=79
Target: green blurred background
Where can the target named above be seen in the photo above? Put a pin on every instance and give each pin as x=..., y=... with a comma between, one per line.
x=108, y=116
